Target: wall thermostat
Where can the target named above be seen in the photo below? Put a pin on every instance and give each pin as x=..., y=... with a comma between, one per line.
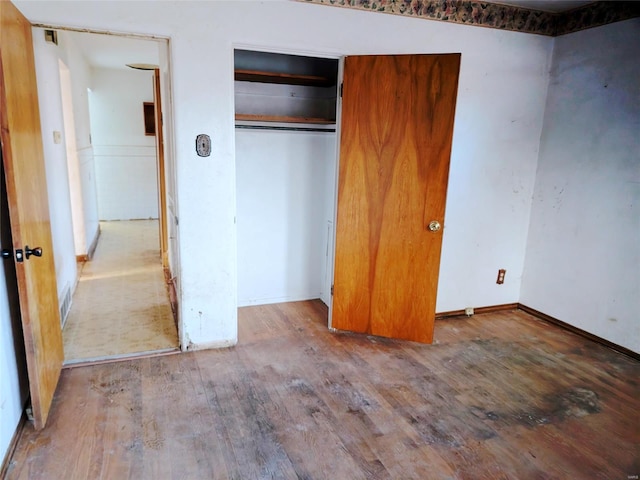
x=203, y=145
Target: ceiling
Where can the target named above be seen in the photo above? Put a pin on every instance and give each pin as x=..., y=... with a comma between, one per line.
x=112, y=51
x=555, y=6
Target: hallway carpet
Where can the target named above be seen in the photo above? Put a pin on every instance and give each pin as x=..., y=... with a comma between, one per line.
x=121, y=306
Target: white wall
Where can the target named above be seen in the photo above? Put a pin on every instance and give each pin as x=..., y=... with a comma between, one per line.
x=14, y=388
x=72, y=158
x=126, y=171
x=87, y=196
x=67, y=85
x=13, y=375
x=55, y=160
x=281, y=215
x=583, y=255
x=499, y=118
x=82, y=183
x=82, y=179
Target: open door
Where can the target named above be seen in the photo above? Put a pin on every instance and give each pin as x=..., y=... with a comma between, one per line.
x=395, y=145
x=23, y=159
x=162, y=186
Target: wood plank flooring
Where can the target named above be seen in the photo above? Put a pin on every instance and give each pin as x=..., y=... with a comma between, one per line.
x=497, y=396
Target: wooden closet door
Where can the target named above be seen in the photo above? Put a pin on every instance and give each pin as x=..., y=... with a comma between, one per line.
x=395, y=145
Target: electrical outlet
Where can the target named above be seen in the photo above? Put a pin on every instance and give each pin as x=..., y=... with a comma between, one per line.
x=468, y=311
x=501, y=273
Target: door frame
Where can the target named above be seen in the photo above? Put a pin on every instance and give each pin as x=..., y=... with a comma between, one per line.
x=169, y=156
x=160, y=165
x=336, y=179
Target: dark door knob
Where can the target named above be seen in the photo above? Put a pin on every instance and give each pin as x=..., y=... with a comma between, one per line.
x=36, y=252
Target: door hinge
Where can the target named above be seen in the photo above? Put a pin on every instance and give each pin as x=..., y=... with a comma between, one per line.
x=331, y=290
x=341, y=89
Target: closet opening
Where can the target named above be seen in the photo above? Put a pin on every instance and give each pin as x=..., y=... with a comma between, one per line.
x=286, y=157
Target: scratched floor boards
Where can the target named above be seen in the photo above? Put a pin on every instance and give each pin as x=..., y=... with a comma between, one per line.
x=497, y=396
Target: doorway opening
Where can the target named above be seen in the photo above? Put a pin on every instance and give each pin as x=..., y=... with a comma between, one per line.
x=286, y=155
x=119, y=299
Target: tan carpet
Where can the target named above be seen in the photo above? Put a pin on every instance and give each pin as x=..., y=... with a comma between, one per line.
x=121, y=306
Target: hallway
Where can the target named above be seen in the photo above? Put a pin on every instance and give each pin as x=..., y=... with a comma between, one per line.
x=121, y=305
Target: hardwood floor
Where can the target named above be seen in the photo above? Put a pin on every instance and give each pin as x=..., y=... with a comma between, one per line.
x=497, y=396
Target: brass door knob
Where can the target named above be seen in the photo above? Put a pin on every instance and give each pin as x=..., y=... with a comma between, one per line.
x=434, y=226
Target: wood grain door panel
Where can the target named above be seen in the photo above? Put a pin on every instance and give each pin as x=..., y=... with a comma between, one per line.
x=396, y=131
x=23, y=159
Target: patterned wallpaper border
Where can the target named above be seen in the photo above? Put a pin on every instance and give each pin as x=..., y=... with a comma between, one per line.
x=595, y=15
x=503, y=17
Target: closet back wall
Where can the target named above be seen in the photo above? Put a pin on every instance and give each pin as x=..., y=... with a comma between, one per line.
x=285, y=200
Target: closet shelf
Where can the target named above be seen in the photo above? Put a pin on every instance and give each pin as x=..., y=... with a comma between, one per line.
x=283, y=78
x=282, y=119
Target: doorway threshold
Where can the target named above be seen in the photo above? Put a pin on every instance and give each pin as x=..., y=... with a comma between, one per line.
x=84, y=362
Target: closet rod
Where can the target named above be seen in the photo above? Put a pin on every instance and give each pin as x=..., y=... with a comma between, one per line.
x=290, y=129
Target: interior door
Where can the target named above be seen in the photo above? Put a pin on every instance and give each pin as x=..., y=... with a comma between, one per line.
x=23, y=159
x=162, y=189
x=395, y=145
